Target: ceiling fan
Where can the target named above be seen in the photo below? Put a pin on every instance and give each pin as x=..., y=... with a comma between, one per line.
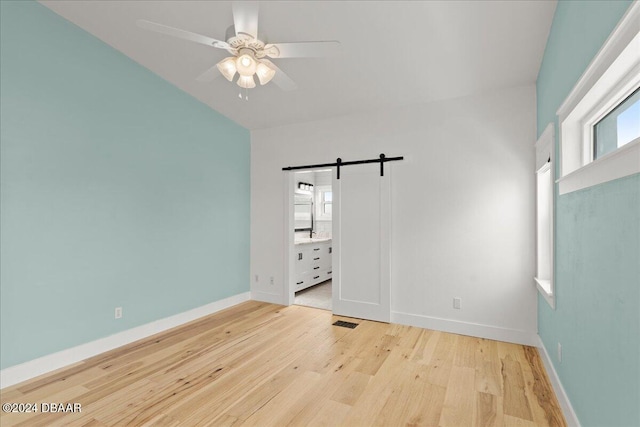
x=249, y=53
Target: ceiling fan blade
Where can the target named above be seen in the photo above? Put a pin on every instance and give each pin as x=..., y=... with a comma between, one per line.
x=209, y=75
x=302, y=49
x=187, y=35
x=280, y=79
x=245, y=18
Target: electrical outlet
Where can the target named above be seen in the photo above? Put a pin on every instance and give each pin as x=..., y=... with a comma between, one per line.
x=456, y=303
x=271, y=280
x=559, y=352
x=118, y=312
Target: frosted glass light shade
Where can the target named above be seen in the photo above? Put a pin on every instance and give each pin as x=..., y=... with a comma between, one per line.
x=246, y=65
x=227, y=67
x=246, y=82
x=265, y=73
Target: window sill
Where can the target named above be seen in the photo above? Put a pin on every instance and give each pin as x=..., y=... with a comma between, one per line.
x=544, y=287
x=622, y=162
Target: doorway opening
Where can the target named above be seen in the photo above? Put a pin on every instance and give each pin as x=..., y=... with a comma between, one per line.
x=310, y=279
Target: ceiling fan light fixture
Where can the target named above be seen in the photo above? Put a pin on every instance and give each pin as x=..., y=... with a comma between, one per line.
x=246, y=82
x=265, y=73
x=227, y=67
x=246, y=63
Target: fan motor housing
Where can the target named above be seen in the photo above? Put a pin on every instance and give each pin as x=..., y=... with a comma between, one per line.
x=243, y=40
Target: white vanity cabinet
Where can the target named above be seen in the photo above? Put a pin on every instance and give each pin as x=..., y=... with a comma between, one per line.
x=312, y=263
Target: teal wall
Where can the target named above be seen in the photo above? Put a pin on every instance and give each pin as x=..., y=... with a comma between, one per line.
x=118, y=189
x=597, y=247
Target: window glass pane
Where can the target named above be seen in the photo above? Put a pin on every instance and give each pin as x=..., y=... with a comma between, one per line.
x=327, y=196
x=619, y=127
x=326, y=207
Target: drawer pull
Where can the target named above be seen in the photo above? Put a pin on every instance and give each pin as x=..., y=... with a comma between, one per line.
x=330, y=248
x=315, y=259
x=315, y=268
x=315, y=277
x=299, y=283
x=316, y=249
x=329, y=272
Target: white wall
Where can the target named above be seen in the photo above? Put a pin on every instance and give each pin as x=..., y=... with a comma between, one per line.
x=463, y=207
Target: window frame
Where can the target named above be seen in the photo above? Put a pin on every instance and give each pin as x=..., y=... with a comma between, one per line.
x=320, y=190
x=545, y=161
x=599, y=119
x=624, y=90
x=611, y=77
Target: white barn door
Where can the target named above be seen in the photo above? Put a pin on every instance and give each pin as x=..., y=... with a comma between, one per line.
x=361, y=244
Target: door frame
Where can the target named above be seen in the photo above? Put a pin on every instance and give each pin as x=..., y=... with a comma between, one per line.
x=289, y=234
x=289, y=294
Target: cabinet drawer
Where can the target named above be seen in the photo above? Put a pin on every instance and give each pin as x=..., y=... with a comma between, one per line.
x=317, y=277
x=303, y=281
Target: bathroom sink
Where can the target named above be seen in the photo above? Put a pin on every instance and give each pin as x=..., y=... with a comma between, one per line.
x=313, y=240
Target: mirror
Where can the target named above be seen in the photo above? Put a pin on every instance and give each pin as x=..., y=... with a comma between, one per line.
x=303, y=212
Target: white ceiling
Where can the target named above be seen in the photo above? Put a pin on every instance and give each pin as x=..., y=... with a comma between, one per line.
x=394, y=53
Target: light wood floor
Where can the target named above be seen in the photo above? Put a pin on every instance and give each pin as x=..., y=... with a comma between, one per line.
x=267, y=365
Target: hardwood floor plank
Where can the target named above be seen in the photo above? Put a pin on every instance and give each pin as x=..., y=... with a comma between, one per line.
x=486, y=413
x=541, y=389
x=322, y=392
x=515, y=400
x=465, y=354
x=369, y=405
x=11, y=394
x=262, y=364
x=329, y=414
x=351, y=388
x=511, y=421
x=460, y=399
x=377, y=354
x=489, y=377
x=425, y=346
x=280, y=410
x=413, y=400
x=442, y=360
x=487, y=350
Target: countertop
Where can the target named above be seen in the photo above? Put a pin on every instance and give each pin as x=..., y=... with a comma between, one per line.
x=314, y=240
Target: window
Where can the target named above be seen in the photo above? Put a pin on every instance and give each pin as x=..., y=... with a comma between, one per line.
x=600, y=119
x=324, y=202
x=544, y=215
x=618, y=127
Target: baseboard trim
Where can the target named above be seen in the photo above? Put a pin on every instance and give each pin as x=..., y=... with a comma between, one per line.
x=267, y=297
x=465, y=328
x=565, y=404
x=45, y=364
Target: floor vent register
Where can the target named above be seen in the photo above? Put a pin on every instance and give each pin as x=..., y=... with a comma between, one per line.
x=344, y=324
